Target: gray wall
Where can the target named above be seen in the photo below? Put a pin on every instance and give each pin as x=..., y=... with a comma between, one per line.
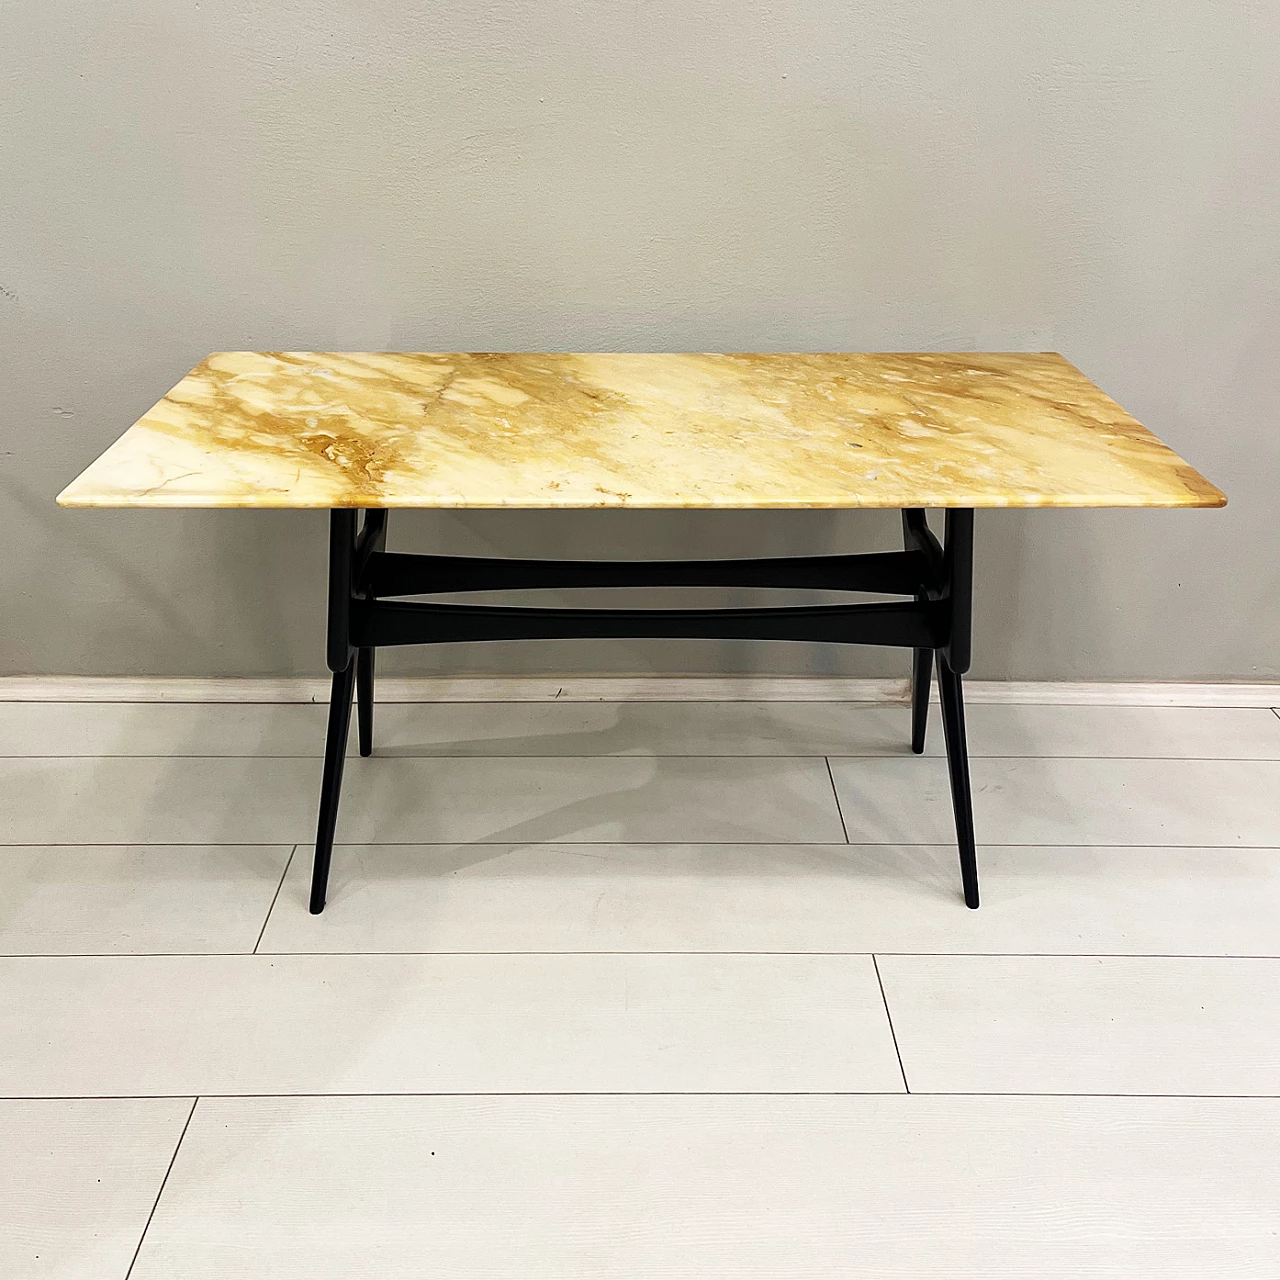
x=1094, y=177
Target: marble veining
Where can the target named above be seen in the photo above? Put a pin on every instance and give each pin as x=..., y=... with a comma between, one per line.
x=321, y=429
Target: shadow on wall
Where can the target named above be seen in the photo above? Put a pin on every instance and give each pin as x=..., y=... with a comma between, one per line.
x=182, y=593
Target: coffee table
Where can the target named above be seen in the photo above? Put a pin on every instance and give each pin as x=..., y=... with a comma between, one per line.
x=369, y=432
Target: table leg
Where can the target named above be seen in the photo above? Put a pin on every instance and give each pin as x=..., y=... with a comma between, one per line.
x=335, y=754
x=953, y=662
x=364, y=699
x=921, y=666
x=342, y=662
x=373, y=537
x=952, y=699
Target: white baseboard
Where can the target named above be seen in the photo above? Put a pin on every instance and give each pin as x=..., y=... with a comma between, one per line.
x=456, y=689
x=629, y=689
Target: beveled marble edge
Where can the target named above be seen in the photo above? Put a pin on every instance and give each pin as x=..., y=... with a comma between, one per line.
x=161, y=451
x=881, y=502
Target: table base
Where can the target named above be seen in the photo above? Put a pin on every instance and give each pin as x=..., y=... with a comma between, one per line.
x=934, y=621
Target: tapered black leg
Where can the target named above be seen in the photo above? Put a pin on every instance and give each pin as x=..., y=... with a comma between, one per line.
x=335, y=754
x=958, y=763
x=921, y=667
x=364, y=699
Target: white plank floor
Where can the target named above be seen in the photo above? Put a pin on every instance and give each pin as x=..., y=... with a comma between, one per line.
x=718, y=1188
x=224, y=800
x=78, y=1181
x=444, y=1024
x=792, y=898
x=634, y=728
x=644, y=990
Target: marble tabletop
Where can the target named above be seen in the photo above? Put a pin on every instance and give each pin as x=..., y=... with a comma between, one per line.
x=326, y=429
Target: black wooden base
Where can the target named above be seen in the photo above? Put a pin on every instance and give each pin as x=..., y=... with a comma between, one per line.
x=934, y=620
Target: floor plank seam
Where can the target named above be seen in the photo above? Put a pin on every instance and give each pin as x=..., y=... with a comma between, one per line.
x=835, y=793
x=195, y=1102
x=880, y=951
x=889, y=1016
x=606, y=844
x=648, y=1093
x=275, y=897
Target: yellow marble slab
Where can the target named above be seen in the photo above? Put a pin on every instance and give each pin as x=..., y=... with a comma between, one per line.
x=308, y=429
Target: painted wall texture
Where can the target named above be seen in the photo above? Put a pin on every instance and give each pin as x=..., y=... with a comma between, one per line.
x=1095, y=178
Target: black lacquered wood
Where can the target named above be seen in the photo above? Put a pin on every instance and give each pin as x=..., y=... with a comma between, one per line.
x=371, y=540
x=364, y=699
x=958, y=575
x=918, y=537
x=907, y=625
x=934, y=620
x=369, y=543
x=335, y=755
x=921, y=670
x=885, y=573
x=342, y=538
x=952, y=699
x=917, y=534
